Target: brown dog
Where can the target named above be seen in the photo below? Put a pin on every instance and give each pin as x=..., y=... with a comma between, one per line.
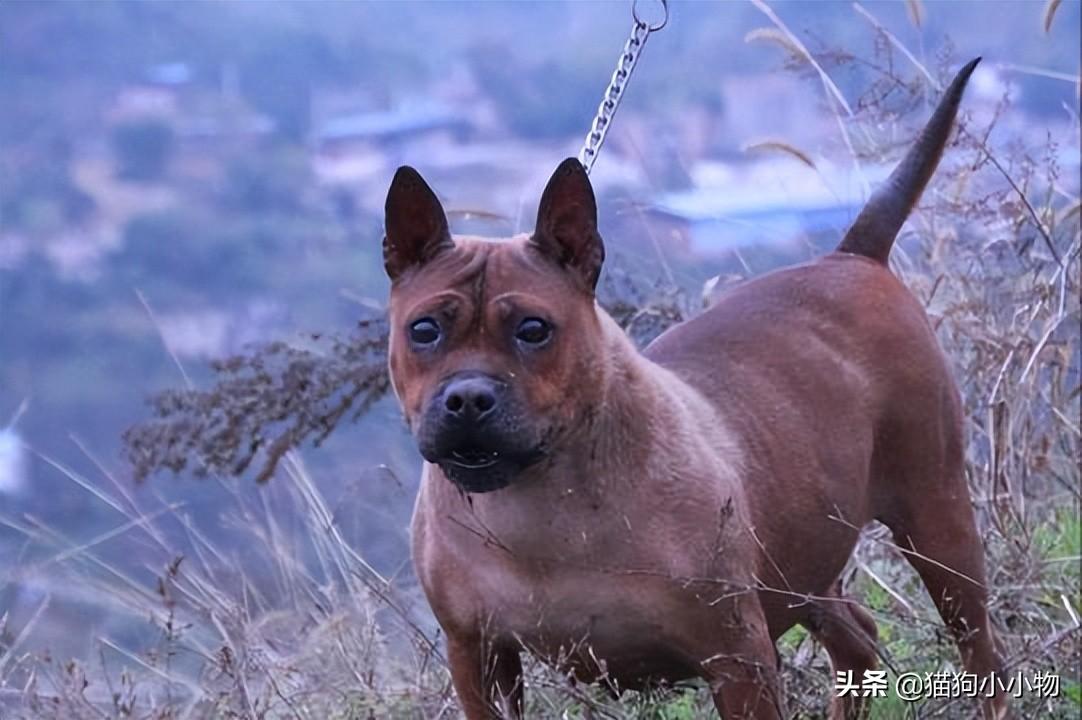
x=649, y=517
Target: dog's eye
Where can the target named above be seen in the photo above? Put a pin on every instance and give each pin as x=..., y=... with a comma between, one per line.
x=533, y=331
x=424, y=331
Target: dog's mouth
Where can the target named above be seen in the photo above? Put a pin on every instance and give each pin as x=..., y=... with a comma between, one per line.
x=481, y=470
x=478, y=471
x=472, y=458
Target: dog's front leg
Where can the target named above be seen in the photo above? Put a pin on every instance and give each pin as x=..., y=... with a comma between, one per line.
x=486, y=678
x=742, y=672
x=745, y=686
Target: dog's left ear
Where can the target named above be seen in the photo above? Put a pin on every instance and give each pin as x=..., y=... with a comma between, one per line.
x=415, y=223
x=566, y=229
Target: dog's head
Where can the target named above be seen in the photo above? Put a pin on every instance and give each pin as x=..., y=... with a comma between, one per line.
x=494, y=343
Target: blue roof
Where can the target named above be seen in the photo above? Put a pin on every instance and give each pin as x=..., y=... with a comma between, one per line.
x=385, y=124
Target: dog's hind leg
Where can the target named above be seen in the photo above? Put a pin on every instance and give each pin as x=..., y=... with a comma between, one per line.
x=850, y=637
x=938, y=535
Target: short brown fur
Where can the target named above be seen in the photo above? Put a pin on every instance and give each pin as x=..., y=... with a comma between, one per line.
x=684, y=506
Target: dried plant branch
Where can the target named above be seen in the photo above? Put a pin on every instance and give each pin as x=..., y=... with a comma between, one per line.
x=1049, y=14
x=983, y=145
x=263, y=404
x=898, y=44
x=782, y=147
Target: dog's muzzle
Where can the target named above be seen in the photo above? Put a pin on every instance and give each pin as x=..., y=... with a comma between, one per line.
x=473, y=430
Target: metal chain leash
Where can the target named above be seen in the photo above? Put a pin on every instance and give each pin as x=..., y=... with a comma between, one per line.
x=640, y=32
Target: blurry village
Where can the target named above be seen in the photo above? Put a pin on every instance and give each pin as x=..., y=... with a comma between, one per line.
x=178, y=181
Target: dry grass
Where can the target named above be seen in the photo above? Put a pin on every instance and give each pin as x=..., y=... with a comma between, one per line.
x=284, y=620
x=288, y=620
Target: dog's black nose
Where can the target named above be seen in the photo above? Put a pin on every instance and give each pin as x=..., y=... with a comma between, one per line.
x=470, y=399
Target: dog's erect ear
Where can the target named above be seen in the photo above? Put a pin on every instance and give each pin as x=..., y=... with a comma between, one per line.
x=566, y=228
x=415, y=224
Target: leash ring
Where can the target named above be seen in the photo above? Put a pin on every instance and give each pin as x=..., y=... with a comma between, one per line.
x=655, y=26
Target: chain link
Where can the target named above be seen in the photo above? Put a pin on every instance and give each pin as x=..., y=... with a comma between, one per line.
x=640, y=32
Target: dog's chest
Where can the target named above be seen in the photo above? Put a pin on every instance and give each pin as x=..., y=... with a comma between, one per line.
x=613, y=626
x=594, y=592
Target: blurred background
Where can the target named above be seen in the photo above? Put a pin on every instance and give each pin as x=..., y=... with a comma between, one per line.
x=179, y=180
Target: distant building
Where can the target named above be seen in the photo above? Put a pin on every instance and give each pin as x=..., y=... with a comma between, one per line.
x=200, y=117
x=349, y=146
x=771, y=202
x=367, y=128
x=156, y=94
x=139, y=101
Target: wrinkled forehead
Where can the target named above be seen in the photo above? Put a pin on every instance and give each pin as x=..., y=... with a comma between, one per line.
x=482, y=269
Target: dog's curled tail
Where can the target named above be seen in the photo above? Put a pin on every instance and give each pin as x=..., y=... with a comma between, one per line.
x=873, y=232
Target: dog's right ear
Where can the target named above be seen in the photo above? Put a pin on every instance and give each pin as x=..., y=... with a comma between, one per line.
x=416, y=227
x=566, y=229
